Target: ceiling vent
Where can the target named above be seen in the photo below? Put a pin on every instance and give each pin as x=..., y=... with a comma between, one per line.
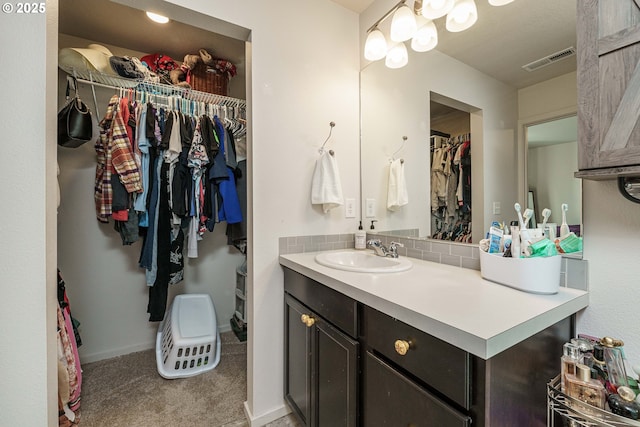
x=550, y=59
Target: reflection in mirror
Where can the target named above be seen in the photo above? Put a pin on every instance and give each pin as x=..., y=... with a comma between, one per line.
x=450, y=151
x=551, y=160
x=398, y=102
x=484, y=68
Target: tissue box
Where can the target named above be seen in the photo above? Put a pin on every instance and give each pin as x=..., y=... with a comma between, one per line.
x=536, y=275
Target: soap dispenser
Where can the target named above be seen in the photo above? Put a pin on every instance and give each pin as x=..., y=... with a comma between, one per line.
x=361, y=237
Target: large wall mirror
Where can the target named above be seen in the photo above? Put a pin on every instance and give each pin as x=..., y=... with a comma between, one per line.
x=479, y=73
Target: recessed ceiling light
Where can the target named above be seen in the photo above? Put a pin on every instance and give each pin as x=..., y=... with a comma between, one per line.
x=157, y=18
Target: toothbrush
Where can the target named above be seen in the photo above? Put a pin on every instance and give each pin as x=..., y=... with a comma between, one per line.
x=519, y=210
x=528, y=213
x=546, y=213
x=564, y=228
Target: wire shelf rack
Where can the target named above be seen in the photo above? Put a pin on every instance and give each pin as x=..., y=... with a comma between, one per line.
x=574, y=413
x=99, y=79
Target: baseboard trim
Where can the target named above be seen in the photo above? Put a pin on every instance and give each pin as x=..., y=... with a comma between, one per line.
x=102, y=355
x=265, y=418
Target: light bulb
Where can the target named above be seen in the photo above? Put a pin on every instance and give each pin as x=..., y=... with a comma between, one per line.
x=397, y=57
x=463, y=15
x=499, y=2
x=157, y=18
x=434, y=9
x=375, y=47
x=426, y=37
x=403, y=24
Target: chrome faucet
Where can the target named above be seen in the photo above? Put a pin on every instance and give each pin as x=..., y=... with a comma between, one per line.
x=381, y=250
x=393, y=249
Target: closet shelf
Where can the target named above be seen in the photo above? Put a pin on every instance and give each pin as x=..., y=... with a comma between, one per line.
x=115, y=82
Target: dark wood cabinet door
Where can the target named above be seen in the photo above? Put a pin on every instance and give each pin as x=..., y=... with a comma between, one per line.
x=335, y=370
x=608, y=72
x=297, y=370
x=391, y=399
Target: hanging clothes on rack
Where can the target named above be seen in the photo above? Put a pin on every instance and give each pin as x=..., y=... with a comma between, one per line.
x=451, y=187
x=114, y=156
x=237, y=232
x=166, y=171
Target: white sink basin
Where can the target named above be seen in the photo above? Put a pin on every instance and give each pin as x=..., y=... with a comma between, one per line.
x=363, y=262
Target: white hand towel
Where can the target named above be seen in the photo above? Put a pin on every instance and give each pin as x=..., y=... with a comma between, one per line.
x=397, y=190
x=326, y=188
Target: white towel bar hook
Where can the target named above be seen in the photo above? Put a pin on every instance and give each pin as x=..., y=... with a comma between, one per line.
x=404, y=140
x=321, y=150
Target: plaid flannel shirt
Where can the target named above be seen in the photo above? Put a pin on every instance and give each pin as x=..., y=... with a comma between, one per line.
x=114, y=155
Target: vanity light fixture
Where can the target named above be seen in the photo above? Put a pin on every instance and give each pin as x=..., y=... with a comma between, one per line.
x=463, y=15
x=434, y=9
x=375, y=47
x=397, y=57
x=160, y=19
x=418, y=25
x=403, y=24
x=426, y=37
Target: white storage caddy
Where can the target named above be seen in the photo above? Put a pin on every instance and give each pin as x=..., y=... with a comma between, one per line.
x=539, y=275
x=188, y=340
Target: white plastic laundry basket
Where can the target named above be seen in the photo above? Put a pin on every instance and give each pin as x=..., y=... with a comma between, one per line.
x=188, y=340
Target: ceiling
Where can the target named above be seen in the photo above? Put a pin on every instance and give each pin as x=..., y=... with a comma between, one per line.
x=553, y=132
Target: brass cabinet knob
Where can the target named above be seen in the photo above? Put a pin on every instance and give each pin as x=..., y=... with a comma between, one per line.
x=307, y=320
x=402, y=347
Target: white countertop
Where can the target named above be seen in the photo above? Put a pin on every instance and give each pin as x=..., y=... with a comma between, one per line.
x=454, y=304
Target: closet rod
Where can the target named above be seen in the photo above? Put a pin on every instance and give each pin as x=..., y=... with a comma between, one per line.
x=192, y=95
x=110, y=82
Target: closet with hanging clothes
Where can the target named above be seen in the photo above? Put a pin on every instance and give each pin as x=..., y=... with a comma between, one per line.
x=450, y=156
x=141, y=223
x=166, y=173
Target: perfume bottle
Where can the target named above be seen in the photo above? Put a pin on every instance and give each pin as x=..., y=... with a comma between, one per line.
x=570, y=357
x=623, y=403
x=614, y=360
x=581, y=387
x=595, y=361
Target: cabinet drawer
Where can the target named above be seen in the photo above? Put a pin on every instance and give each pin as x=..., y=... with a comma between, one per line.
x=391, y=399
x=439, y=364
x=333, y=306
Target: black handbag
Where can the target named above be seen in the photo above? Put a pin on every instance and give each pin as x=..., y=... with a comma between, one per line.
x=74, y=120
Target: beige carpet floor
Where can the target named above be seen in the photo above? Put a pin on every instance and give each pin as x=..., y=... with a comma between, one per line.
x=128, y=391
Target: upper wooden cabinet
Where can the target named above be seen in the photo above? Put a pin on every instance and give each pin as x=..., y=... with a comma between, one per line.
x=608, y=44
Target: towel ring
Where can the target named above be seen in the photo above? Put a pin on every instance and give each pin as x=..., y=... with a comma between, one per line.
x=321, y=150
x=393, y=156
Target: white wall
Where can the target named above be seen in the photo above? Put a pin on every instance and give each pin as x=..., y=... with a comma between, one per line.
x=396, y=103
x=28, y=371
x=611, y=229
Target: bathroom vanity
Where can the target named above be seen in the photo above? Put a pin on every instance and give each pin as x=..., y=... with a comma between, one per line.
x=432, y=346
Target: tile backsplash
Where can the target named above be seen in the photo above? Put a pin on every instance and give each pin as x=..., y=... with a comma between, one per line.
x=573, y=273
x=298, y=244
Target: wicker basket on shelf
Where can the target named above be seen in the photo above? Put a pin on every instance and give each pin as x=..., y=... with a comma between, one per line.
x=207, y=79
